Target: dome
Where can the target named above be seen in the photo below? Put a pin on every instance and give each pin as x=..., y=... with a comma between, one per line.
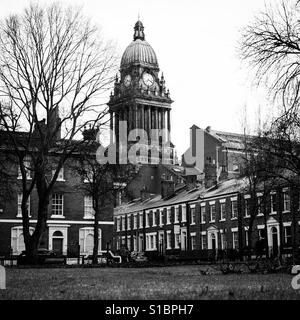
x=139, y=51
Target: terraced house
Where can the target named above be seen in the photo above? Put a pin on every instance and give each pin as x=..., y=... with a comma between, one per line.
x=207, y=223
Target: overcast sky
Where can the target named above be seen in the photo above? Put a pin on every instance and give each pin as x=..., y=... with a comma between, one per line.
x=196, y=45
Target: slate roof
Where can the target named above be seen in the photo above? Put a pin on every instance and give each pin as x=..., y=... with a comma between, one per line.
x=226, y=187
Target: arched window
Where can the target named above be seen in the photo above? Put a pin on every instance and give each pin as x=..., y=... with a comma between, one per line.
x=57, y=234
x=57, y=242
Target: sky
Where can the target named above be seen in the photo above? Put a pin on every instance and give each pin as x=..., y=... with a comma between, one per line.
x=196, y=43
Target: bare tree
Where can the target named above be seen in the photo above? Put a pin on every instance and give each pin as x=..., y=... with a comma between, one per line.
x=270, y=44
x=54, y=67
x=103, y=183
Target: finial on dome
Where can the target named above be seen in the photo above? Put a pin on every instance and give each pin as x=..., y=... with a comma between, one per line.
x=139, y=30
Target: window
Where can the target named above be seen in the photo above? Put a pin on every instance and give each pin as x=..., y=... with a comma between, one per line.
x=234, y=211
x=141, y=220
x=193, y=241
x=19, y=214
x=169, y=239
x=123, y=223
x=259, y=205
x=223, y=211
x=161, y=217
x=135, y=221
x=183, y=213
x=57, y=204
x=118, y=223
x=60, y=176
x=235, y=242
x=286, y=201
x=288, y=236
x=147, y=219
x=86, y=240
x=193, y=215
x=129, y=222
x=17, y=239
x=89, y=212
x=169, y=214
x=27, y=167
x=273, y=203
x=118, y=244
x=212, y=208
x=203, y=214
x=123, y=241
x=154, y=218
x=246, y=237
x=204, y=241
x=151, y=241
x=135, y=243
x=177, y=240
x=247, y=208
x=129, y=243
x=176, y=215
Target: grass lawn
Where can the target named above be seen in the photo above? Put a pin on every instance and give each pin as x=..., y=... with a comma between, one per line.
x=178, y=282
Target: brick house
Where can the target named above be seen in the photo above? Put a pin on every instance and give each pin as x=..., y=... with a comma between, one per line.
x=204, y=222
x=70, y=217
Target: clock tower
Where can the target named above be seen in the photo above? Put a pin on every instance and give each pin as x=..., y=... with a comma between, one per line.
x=140, y=100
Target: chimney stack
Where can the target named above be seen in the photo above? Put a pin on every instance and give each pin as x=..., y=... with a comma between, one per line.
x=167, y=188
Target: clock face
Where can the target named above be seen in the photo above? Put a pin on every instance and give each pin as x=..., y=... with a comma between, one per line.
x=148, y=79
x=127, y=80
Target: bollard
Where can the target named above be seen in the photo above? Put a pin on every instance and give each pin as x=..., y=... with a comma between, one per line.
x=2, y=278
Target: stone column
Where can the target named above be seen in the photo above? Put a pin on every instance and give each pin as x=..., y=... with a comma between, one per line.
x=169, y=125
x=111, y=127
x=148, y=121
x=117, y=117
x=136, y=120
x=163, y=123
x=126, y=116
x=156, y=122
x=142, y=121
x=130, y=118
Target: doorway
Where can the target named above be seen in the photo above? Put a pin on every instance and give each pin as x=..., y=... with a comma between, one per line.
x=161, y=242
x=57, y=242
x=183, y=239
x=274, y=233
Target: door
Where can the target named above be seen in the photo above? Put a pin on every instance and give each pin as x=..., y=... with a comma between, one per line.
x=183, y=239
x=213, y=242
x=275, y=240
x=57, y=245
x=161, y=242
x=57, y=242
x=141, y=243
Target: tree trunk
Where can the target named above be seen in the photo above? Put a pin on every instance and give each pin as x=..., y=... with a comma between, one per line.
x=280, y=206
x=96, y=233
x=294, y=208
x=34, y=240
x=250, y=233
x=266, y=233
